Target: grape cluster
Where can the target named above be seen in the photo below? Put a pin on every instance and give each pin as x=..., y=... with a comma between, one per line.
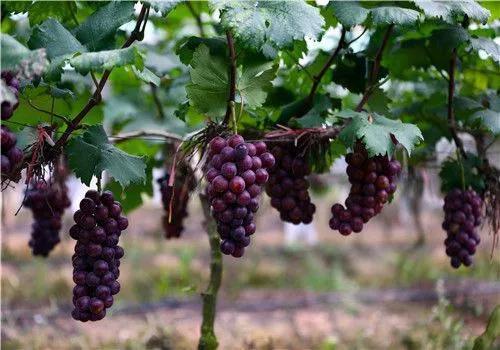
x=47, y=201
x=288, y=187
x=11, y=155
x=236, y=172
x=183, y=185
x=97, y=255
x=462, y=215
x=372, y=183
x=13, y=85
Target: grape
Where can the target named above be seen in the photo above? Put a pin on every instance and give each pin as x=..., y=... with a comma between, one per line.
x=47, y=213
x=235, y=173
x=12, y=156
x=183, y=185
x=462, y=216
x=13, y=85
x=97, y=256
x=372, y=182
x=287, y=185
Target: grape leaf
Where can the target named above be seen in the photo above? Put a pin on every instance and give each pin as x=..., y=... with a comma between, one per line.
x=488, y=45
x=102, y=60
x=146, y=76
x=314, y=117
x=377, y=132
x=188, y=46
x=91, y=153
x=38, y=11
x=56, y=39
x=461, y=174
x=209, y=88
x=253, y=83
x=379, y=101
x=164, y=6
x=98, y=30
x=14, y=53
x=351, y=13
x=270, y=25
x=489, y=119
x=449, y=10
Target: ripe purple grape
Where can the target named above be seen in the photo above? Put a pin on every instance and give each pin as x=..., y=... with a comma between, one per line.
x=235, y=173
x=97, y=256
x=460, y=224
x=287, y=185
x=372, y=182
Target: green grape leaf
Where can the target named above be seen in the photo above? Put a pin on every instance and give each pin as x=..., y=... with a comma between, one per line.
x=377, y=132
x=102, y=60
x=38, y=11
x=13, y=54
x=461, y=174
x=98, y=31
x=351, y=13
x=393, y=15
x=253, y=83
x=164, y=6
x=270, y=25
x=451, y=10
x=91, y=153
x=489, y=119
x=350, y=73
x=132, y=196
x=315, y=117
x=188, y=46
x=182, y=111
x=379, y=102
x=208, y=89
x=146, y=76
x=56, y=39
x=488, y=45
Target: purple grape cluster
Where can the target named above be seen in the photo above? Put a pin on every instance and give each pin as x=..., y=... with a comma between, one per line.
x=13, y=85
x=288, y=186
x=462, y=215
x=373, y=181
x=12, y=156
x=183, y=185
x=236, y=172
x=96, y=261
x=47, y=201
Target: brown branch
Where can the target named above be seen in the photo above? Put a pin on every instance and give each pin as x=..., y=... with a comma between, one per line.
x=452, y=124
x=317, y=78
x=137, y=34
x=232, y=76
x=375, y=69
x=147, y=133
x=157, y=101
x=197, y=17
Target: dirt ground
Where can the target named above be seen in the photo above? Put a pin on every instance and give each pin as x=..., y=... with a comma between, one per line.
x=374, y=290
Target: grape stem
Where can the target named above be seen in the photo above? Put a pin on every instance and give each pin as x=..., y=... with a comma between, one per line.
x=137, y=34
x=148, y=134
x=452, y=124
x=208, y=339
x=197, y=18
x=232, y=76
x=156, y=100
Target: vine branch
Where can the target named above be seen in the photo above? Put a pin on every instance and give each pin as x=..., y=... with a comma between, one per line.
x=232, y=76
x=317, y=78
x=208, y=340
x=375, y=70
x=197, y=17
x=174, y=138
x=452, y=124
x=157, y=101
x=137, y=34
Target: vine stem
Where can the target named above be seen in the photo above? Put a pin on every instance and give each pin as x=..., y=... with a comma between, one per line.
x=137, y=34
x=208, y=339
x=232, y=76
x=375, y=70
x=452, y=124
x=197, y=18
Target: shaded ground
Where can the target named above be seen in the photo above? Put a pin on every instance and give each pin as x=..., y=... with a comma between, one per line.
x=275, y=297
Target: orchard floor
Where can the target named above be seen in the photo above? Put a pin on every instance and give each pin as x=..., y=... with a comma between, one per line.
x=373, y=290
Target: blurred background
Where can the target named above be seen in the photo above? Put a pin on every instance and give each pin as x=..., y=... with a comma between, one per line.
x=297, y=287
